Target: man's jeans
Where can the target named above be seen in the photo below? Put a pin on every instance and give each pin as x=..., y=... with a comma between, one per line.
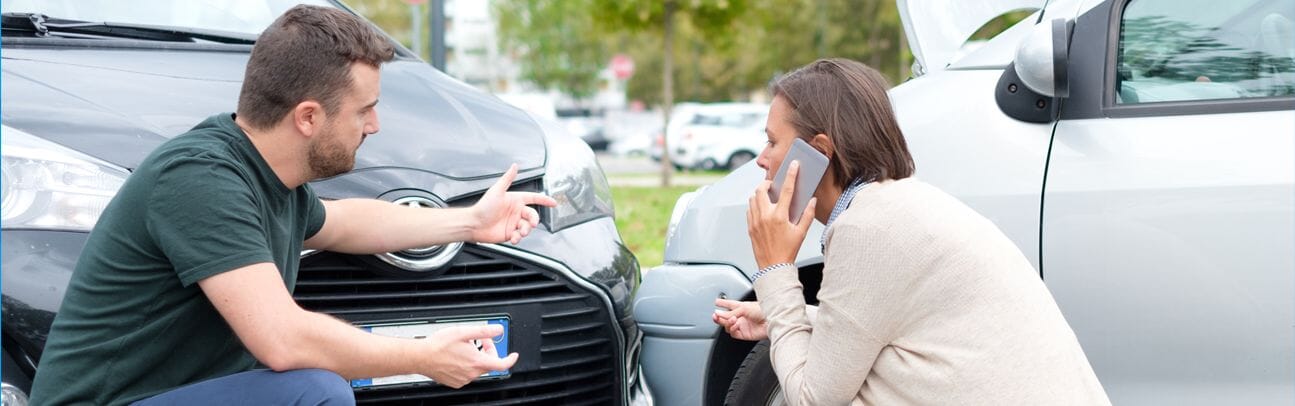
x=262, y=387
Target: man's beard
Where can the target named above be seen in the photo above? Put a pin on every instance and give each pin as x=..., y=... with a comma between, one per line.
x=328, y=157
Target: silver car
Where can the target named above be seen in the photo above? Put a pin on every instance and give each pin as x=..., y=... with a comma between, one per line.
x=1139, y=152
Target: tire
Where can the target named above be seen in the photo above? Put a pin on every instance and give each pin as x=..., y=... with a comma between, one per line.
x=739, y=158
x=755, y=382
x=709, y=164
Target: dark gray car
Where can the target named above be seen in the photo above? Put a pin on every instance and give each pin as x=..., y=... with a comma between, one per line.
x=84, y=102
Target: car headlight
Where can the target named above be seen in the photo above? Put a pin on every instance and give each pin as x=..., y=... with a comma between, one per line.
x=574, y=179
x=49, y=186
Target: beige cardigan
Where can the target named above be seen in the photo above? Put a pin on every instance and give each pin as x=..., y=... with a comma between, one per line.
x=923, y=302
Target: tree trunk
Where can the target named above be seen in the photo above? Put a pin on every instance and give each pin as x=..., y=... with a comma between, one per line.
x=667, y=92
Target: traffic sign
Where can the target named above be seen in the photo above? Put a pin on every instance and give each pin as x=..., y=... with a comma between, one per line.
x=622, y=66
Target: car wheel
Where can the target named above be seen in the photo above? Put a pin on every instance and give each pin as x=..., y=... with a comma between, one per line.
x=755, y=383
x=739, y=158
x=709, y=164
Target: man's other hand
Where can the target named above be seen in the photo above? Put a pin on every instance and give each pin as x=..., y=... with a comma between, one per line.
x=456, y=360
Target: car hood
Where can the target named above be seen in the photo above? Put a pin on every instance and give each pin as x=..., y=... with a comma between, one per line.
x=119, y=104
x=936, y=29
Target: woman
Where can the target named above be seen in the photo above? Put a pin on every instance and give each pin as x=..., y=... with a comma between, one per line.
x=923, y=301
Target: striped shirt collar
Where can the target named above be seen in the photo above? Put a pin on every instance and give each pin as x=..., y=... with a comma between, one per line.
x=841, y=204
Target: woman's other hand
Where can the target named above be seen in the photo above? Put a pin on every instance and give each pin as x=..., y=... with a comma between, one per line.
x=774, y=239
x=742, y=320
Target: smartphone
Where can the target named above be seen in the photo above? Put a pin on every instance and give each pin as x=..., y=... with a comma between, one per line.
x=812, y=166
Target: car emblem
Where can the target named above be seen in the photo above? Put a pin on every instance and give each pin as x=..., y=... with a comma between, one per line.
x=426, y=258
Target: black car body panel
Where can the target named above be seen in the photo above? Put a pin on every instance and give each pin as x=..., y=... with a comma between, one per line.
x=118, y=104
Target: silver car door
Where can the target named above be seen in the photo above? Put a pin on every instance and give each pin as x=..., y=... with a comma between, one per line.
x=1168, y=226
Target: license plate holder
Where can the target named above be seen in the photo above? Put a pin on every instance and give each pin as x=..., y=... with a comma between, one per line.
x=422, y=329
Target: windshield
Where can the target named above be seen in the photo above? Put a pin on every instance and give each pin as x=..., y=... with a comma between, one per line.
x=242, y=16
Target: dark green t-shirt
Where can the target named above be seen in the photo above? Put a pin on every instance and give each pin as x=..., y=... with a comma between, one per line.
x=134, y=322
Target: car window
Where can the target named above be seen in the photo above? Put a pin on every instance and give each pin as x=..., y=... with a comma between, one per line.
x=740, y=120
x=1182, y=50
x=727, y=119
x=705, y=119
x=242, y=16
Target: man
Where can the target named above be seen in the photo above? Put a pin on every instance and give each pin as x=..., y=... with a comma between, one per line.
x=184, y=285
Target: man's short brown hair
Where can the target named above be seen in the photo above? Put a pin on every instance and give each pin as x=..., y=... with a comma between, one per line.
x=306, y=54
x=847, y=101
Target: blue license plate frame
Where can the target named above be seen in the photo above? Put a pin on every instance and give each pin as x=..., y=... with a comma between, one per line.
x=422, y=329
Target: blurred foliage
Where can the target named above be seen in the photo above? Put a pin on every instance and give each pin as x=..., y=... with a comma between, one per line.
x=1000, y=24
x=555, y=43
x=725, y=49
x=393, y=16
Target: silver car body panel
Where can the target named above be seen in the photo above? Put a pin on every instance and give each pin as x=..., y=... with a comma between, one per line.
x=676, y=368
x=712, y=230
x=676, y=300
x=673, y=309
x=999, y=160
x=1168, y=246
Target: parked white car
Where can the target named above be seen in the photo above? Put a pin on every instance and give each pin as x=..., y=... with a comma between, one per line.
x=631, y=132
x=1141, y=153
x=721, y=141
x=693, y=126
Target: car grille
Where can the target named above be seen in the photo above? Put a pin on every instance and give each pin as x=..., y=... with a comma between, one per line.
x=578, y=350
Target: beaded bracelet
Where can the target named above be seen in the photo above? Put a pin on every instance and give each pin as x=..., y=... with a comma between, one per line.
x=768, y=269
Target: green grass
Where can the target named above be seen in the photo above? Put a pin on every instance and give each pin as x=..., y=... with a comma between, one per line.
x=642, y=215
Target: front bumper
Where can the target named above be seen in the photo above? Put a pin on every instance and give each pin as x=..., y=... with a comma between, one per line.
x=582, y=351
x=572, y=348
x=673, y=309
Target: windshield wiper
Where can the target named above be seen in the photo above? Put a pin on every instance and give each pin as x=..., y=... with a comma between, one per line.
x=42, y=26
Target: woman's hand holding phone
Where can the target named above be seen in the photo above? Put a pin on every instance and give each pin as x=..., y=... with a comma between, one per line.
x=774, y=239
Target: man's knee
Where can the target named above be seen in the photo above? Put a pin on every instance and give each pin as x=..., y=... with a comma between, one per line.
x=323, y=387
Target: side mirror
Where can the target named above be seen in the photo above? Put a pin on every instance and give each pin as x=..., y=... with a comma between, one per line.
x=1037, y=78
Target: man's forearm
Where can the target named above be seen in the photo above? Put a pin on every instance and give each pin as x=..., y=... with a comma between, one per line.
x=368, y=226
x=324, y=342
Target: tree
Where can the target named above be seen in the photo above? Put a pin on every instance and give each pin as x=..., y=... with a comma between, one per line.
x=776, y=36
x=868, y=31
x=393, y=17
x=556, y=41
x=711, y=17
